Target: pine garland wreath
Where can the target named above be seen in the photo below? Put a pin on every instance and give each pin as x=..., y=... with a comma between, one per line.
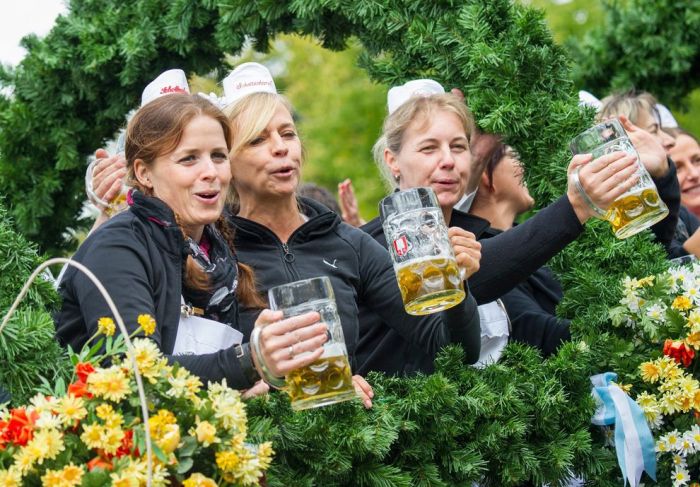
x=523, y=420
x=28, y=349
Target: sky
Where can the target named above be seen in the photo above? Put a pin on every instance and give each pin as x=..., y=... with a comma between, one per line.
x=24, y=17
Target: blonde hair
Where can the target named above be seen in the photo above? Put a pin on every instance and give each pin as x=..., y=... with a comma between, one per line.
x=249, y=116
x=630, y=104
x=417, y=109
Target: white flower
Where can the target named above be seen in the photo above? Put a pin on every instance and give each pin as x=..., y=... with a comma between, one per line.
x=680, y=476
x=43, y=403
x=693, y=293
x=679, y=461
x=47, y=419
x=632, y=301
x=687, y=446
x=694, y=435
x=656, y=311
x=670, y=441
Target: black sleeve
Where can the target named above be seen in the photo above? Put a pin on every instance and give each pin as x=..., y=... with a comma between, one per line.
x=510, y=257
x=126, y=270
x=380, y=293
x=532, y=325
x=670, y=193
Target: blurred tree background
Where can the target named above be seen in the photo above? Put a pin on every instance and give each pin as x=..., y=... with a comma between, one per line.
x=340, y=111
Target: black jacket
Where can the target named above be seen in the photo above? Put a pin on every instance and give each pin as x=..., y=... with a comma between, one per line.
x=506, y=260
x=361, y=273
x=531, y=307
x=687, y=225
x=140, y=264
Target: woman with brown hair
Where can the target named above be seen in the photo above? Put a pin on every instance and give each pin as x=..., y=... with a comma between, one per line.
x=171, y=255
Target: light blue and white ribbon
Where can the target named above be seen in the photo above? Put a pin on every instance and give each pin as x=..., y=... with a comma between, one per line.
x=634, y=443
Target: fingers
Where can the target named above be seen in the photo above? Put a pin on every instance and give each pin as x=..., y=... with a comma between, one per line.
x=364, y=390
x=287, y=344
x=260, y=388
x=108, y=174
x=467, y=250
x=577, y=161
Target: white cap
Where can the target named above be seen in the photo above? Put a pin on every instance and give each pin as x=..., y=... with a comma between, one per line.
x=398, y=95
x=666, y=119
x=170, y=81
x=248, y=78
x=587, y=99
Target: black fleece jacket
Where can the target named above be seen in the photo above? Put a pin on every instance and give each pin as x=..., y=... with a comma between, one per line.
x=140, y=264
x=361, y=273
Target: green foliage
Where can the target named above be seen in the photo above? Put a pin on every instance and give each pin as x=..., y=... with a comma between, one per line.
x=28, y=349
x=521, y=420
x=651, y=45
x=504, y=425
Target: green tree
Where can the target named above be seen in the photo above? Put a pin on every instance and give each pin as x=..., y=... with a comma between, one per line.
x=522, y=420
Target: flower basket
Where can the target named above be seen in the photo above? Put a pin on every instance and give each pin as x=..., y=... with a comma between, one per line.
x=128, y=418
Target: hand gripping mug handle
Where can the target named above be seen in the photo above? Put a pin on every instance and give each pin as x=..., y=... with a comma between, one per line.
x=579, y=187
x=263, y=371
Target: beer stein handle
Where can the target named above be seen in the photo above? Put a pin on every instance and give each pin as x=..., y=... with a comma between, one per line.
x=263, y=371
x=579, y=187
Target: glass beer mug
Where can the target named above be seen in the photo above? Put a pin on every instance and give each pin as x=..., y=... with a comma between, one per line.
x=328, y=380
x=640, y=207
x=424, y=262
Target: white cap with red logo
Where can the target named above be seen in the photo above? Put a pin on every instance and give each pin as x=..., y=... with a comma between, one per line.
x=398, y=95
x=245, y=79
x=170, y=81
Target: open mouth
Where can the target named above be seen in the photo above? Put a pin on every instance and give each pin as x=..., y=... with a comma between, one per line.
x=284, y=171
x=210, y=196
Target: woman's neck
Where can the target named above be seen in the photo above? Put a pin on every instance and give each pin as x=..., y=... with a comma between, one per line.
x=500, y=215
x=281, y=216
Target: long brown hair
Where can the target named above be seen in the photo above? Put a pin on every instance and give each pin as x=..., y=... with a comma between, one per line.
x=156, y=129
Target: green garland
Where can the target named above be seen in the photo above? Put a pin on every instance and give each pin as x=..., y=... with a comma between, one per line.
x=28, y=349
x=522, y=420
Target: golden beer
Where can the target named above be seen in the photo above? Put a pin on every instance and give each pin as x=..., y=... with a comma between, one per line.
x=429, y=285
x=326, y=381
x=634, y=212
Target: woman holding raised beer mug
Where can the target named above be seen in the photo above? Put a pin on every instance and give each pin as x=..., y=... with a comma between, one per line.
x=170, y=254
x=426, y=143
x=286, y=239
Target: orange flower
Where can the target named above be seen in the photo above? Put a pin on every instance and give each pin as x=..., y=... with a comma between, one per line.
x=99, y=462
x=19, y=429
x=679, y=351
x=79, y=389
x=83, y=371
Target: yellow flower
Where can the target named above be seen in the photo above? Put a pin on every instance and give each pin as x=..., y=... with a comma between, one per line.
x=106, y=326
x=205, y=433
x=148, y=359
x=71, y=409
x=625, y=387
x=107, y=414
x=70, y=476
x=51, y=443
x=164, y=430
x=109, y=383
x=92, y=435
x=693, y=340
x=265, y=453
x=646, y=281
x=148, y=324
x=651, y=372
x=227, y=461
x=198, y=480
x=681, y=303
x=10, y=478
x=122, y=479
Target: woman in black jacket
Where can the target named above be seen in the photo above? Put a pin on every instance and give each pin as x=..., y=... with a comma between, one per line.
x=286, y=239
x=171, y=254
x=425, y=142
